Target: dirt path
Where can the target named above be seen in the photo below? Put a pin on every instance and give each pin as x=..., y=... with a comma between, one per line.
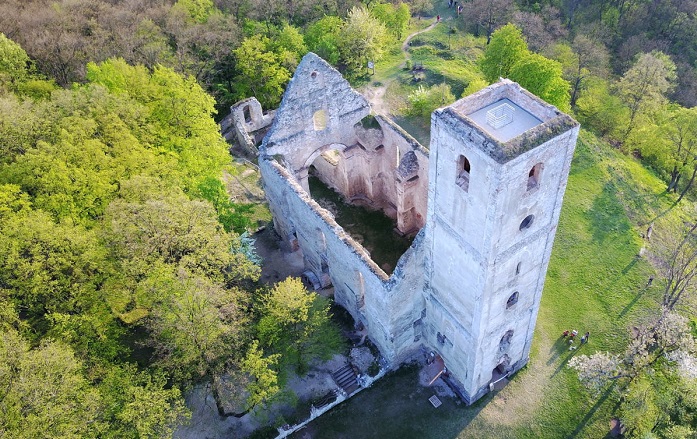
x=376, y=94
x=405, y=44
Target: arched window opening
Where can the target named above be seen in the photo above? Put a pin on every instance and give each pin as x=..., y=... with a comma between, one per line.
x=506, y=340
x=534, y=176
x=512, y=300
x=319, y=120
x=463, y=173
x=527, y=222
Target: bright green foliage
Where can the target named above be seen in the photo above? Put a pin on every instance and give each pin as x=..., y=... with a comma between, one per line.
x=233, y=216
x=290, y=46
x=363, y=38
x=48, y=266
x=424, y=100
x=474, y=86
x=601, y=110
x=543, y=78
x=195, y=327
x=395, y=18
x=179, y=111
x=262, y=73
x=43, y=393
x=662, y=403
x=645, y=85
x=261, y=369
x=177, y=231
x=322, y=37
x=507, y=47
x=296, y=324
x=669, y=144
x=196, y=11
x=140, y=405
x=14, y=63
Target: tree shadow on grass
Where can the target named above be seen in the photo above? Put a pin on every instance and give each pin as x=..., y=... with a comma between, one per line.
x=560, y=347
x=633, y=302
x=569, y=356
x=600, y=401
x=606, y=215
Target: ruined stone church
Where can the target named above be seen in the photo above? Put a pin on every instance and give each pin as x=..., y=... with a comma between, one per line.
x=483, y=202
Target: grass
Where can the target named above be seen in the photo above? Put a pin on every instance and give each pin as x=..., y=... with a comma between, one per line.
x=595, y=282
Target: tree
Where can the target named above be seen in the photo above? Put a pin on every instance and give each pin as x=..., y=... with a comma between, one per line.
x=541, y=29
x=262, y=369
x=655, y=394
x=296, y=324
x=176, y=231
x=602, y=110
x=645, y=84
x=140, y=404
x=676, y=257
x=196, y=327
x=682, y=132
x=322, y=37
x=395, y=18
x=43, y=392
x=489, y=14
x=582, y=59
x=290, y=46
x=507, y=48
x=14, y=63
x=543, y=78
x=363, y=38
x=262, y=73
x=424, y=100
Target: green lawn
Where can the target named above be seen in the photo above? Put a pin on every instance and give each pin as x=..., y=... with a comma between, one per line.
x=595, y=283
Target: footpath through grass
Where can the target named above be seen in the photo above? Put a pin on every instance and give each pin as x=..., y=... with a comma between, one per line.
x=595, y=283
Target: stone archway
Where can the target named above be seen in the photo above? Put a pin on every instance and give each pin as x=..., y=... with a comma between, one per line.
x=302, y=173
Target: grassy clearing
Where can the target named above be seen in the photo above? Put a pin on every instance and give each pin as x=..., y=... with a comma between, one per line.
x=595, y=283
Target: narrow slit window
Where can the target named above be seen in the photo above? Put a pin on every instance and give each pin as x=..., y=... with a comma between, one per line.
x=463, y=173
x=534, y=176
x=517, y=268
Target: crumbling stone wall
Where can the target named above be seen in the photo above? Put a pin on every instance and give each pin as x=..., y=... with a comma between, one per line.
x=246, y=124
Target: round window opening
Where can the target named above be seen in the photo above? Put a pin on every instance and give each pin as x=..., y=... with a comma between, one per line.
x=313, y=75
x=527, y=222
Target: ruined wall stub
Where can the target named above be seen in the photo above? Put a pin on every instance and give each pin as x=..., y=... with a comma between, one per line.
x=246, y=124
x=490, y=190
x=494, y=201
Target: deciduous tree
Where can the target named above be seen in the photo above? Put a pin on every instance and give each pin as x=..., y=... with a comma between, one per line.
x=645, y=85
x=507, y=48
x=363, y=38
x=295, y=323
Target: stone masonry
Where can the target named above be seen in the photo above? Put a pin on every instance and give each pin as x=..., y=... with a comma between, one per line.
x=483, y=203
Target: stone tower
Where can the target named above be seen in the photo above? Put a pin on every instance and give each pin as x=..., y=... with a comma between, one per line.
x=499, y=161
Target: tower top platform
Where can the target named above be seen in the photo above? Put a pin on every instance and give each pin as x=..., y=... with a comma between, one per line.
x=510, y=119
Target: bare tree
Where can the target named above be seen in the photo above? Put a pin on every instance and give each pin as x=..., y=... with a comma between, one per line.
x=679, y=265
x=489, y=14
